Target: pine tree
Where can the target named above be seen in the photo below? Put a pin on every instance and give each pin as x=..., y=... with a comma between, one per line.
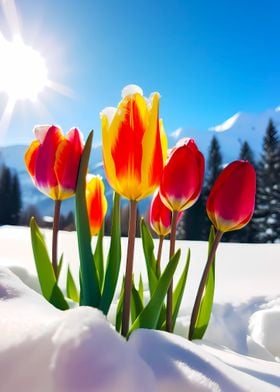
x=267, y=213
x=10, y=198
x=246, y=153
x=5, y=196
x=214, y=163
x=15, y=200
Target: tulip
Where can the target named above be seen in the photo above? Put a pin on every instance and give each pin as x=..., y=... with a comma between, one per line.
x=52, y=161
x=230, y=206
x=96, y=203
x=134, y=144
x=180, y=188
x=182, y=176
x=134, y=151
x=231, y=202
x=160, y=218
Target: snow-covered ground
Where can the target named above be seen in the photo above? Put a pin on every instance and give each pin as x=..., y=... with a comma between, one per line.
x=44, y=349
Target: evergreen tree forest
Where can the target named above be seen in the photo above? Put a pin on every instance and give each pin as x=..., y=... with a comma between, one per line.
x=10, y=197
x=265, y=224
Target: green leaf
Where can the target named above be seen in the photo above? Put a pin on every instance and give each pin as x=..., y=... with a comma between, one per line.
x=205, y=307
x=113, y=260
x=98, y=255
x=148, y=248
x=59, y=266
x=141, y=288
x=136, y=303
x=148, y=318
x=46, y=276
x=120, y=309
x=89, y=276
x=71, y=288
x=179, y=291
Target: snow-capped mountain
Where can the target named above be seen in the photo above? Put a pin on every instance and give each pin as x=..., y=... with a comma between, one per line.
x=231, y=133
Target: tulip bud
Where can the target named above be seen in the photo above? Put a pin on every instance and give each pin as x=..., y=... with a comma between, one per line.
x=231, y=201
x=53, y=160
x=160, y=216
x=96, y=203
x=182, y=176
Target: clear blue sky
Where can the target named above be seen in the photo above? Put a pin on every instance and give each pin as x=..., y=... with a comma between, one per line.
x=208, y=59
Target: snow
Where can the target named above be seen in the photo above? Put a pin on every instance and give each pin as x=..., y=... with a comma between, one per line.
x=225, y=126
x=79, y=350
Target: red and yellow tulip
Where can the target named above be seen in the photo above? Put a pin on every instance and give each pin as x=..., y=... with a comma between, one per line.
x=182, y=176
x=160, y=216
x=53, y=159
x=231, y=201
x=134, y=144
x=96, y=203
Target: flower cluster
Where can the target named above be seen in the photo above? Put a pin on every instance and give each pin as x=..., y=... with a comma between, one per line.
x=137, y=164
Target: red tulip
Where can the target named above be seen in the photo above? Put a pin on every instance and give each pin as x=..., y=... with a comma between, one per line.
x=160, y=216
x=231, y=202
x=182, y=176
x=96, y=203
x=53, y=161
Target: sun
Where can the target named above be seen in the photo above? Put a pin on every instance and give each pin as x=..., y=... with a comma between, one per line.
x=23, y=71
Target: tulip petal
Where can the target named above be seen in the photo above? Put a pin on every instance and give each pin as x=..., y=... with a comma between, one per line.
x=69, y=150
x=45, y=176
x=31, y=156
x=152, y=165
x=96, y=203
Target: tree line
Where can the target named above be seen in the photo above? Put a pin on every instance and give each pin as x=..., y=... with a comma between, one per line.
x=265, y=223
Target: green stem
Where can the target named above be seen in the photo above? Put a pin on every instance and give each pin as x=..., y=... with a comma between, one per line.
x=203, y=281
x=161, y=238
x=129, y=267
x=56, y=215
x=170, y=289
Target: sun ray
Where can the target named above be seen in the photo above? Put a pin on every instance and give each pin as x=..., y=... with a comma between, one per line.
x=11, y=16
x=60, y=88
x=6, y=118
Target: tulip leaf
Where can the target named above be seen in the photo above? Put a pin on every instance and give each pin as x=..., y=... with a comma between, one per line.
x=60, y=262
x=148, y=248
x=71, y=288
x=179, y=290
x=136, y=303
x=113, y=259
x=120, y=309
x=149, y=316
x=45, y=272
x=205, y=307
x=141, y=288
x=98, y=255
x=89, y=276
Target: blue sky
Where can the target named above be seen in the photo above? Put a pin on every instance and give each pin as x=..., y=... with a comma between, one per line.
x=208, y=59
